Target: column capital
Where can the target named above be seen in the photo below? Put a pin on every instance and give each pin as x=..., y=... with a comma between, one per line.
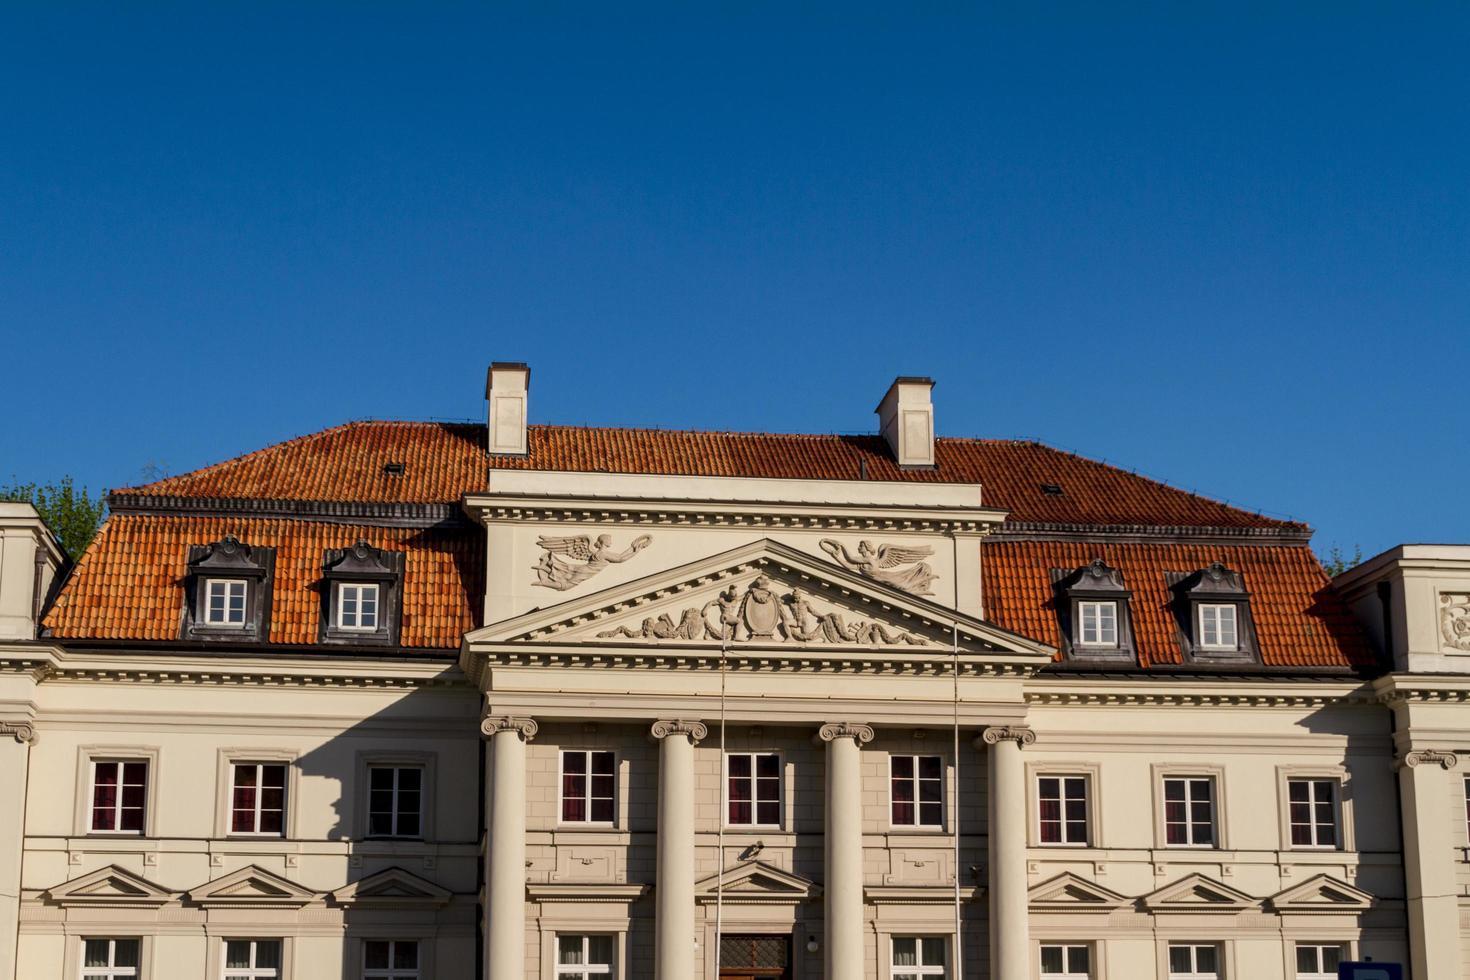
x=665, y=727
x=495, y=724
x=1423, y=757
x=994, y=735
x=833, y=730
x=23, y=731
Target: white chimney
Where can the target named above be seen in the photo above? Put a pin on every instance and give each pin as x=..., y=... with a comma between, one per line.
x=506, y=389
x=906, y=420
x=29, y=561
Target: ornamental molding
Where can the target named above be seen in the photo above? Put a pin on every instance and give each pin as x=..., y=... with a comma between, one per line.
x=1243, y=699
x=23, y=732
x=376, y=514
x=244, y=676
x=694, y=730
x=833, y=730
x=1454, y=621
x=895, y=661
x=634, y=514
x=495, y=724
x=1020, y=734
x=1428, y=757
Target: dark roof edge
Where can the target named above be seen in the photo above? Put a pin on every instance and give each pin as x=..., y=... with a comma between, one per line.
x=1251, y=672
x=1148, y=533
x=407, y=515
x=314, y=650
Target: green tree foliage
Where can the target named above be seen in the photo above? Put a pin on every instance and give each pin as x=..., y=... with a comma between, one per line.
x=1336, y=562
x=71, y=512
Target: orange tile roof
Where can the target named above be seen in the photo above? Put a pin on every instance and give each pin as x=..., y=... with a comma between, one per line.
x=444, y=461
x=130, y=582
x=1300, y=621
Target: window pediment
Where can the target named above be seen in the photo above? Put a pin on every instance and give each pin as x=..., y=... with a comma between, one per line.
x=250, y=887
x=111, y=886
x=1068, y=892
x=392, y=888
x=756, y=882
x=1198, y=893
x=1322, y=893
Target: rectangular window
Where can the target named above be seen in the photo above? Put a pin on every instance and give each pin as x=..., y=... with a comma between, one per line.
x=1217, y=627
x=915, y=957
x=395, y=801
x=119, y=796
x=252, y=959
x=1312, y=812
x=357, y=607
x=1072, y=962
x=1190, y=962
x=584, y=957
x=1317, y=962
x=917, y=790
x=1189, y=811
x=390, y=959
x=224, y=602
x=1099, y=624
x=109, y=959
x=1061, y=810
x=588, y=783
x=258, y=798
x=754, y=781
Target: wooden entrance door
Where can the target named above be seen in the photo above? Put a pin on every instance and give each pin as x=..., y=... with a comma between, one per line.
x=755, y=958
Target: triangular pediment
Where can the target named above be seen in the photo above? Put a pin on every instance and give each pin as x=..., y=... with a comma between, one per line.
x=392, y=887
x=1322, y=893
x=1069, y=893
x=756, y=882
x=761, y=595
x=110, y=886
x=1198, y=893
x=252, y=886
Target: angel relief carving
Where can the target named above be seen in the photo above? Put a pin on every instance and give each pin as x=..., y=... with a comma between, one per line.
x=1454, y=620
x=570, y=561
x=885, y=563
x=763, y=615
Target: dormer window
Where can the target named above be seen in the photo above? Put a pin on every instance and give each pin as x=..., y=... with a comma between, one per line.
x=362, y=591
x=1092, y=608
x=228, y=592
x=1213, y=613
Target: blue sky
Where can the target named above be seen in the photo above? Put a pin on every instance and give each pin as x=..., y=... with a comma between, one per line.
x=1224, y=244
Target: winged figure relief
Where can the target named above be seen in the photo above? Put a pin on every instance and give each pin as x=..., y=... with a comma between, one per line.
x=572, y=560
x=886, y=563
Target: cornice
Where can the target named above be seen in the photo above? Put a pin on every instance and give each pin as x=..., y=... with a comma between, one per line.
x=640, y=513
x=1211, y=691
x=384, y=514
x=749, y=658
x=1149, y=533
x=319, y=671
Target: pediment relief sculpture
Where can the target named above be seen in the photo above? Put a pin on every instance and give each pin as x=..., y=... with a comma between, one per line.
x=569, y=561
x=901, y=566
x=1454, y=620
x=762, y=614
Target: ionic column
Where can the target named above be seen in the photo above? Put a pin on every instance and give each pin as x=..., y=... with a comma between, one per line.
x=673, y=893
x=843, y=864
x=1010, y=944
x=1426, y=796
x=505, y=860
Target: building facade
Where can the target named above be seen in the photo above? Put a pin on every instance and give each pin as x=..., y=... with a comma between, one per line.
x=399, y=701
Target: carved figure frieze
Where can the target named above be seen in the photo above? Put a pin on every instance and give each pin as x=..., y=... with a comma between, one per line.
x=1454, y=620
x=901, y=566
x=569, y=561
x=761, y=614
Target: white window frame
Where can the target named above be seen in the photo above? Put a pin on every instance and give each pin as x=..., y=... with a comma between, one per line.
x=1067, y=973
x=117, y=807
x=251, y=972
x=110, y=971
x=228, y=584
x=397, y=768
x=561, y=969
x=1336, y=801
x=1319, y=974
x=1218, y=609
x=1096, y=606
x=561, y=797
x=917, y=825
x=1194, y=947
x=920, y=969
x=754, y=799
x=390, y=972
x=258, y=765
x=341, y=606
x=1188, y=778
x=1087, y=783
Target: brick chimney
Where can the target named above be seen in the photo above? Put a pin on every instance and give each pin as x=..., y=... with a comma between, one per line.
x=506, y=391
x=906, y=421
